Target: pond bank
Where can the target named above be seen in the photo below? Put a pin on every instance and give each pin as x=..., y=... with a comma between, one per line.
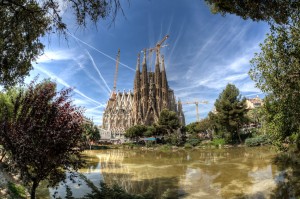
x=10, y=185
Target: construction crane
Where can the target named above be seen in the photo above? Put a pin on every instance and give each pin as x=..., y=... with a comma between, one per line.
x=157, y=47
x=197, y=106
x=113, y=93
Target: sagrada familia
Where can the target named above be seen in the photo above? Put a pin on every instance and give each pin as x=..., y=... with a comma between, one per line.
x=151, y=94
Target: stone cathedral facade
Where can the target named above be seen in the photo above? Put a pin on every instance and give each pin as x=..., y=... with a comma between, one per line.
x=151, y=94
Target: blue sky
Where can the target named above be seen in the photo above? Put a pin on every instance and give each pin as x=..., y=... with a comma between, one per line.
x=204, y=53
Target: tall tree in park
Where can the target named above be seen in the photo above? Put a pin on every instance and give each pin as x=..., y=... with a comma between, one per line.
x=276, y=71
x=278, y=11
x=24, y=22
x=230, y=112
x=90, y=133
x=43, y=134
x=168, y=120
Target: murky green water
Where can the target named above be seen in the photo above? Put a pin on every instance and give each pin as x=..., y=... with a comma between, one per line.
x=207, y=173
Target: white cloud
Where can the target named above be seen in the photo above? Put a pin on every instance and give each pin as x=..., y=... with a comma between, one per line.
x=248, y=86
x=60, y=55
x=237, y=77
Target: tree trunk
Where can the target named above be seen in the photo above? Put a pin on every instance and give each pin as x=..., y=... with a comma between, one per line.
x=238, y=133
x=2, y=156
x=33, y=189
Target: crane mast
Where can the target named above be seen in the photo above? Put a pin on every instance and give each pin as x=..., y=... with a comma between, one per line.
x=113, y=94
x=197, y=107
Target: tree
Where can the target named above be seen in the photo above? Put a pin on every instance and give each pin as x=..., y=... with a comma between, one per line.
x=90, y=133
x=230, y=112
x=168, y=120
x=277, y=11
x=276, y=71
x=5, y=106
x=24, y=22
x=43, y=134
x=199, y=127
x=192, y=128
x=135, y=132
x=151, y=130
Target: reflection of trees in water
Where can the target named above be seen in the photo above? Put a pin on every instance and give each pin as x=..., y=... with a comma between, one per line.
x=136, y=171
x=288, y=185
x=223, y=172
x=159, y=184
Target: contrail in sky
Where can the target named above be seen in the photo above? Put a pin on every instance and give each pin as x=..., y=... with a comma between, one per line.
x=59, y=80
x=99, y=73
x=106, y=55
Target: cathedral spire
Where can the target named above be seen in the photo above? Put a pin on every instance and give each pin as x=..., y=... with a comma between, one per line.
x=163, y=74
x=163, y=63
x=138, y=63
x=144, y=85
x=144, y=60
x=164, y=85
x=137, y=75
x=157, y=59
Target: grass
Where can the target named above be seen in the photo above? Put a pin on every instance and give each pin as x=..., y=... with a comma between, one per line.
x=218, y=142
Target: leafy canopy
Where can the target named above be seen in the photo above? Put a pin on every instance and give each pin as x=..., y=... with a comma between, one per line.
x=135, y=131
x=43, y=133
x=90, y=132
x=199, y=127
x=169, y=120
x=276, y=71
x=277, y=11
x=24, y=22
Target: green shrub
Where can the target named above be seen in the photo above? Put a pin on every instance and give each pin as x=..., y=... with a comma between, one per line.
x=129, y=145
x=188, y=146
x=193, y=141
x=174, y=139
x=256, y=141
x=166, y=147
x=217, y=142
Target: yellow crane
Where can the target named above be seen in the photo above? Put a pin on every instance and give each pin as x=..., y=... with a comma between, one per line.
x=197, y=106
x=113, y=93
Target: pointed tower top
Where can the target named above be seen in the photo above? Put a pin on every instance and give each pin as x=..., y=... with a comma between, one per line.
x=138, y=63
x=144, y=60
x=163, y=63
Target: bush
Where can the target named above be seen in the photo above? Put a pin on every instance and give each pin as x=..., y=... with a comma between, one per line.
x=165, y=148
x=193, y=141
x=129, y=145
x=217, y=142
x=188, y=146
x=256, y=141
x=174, y=139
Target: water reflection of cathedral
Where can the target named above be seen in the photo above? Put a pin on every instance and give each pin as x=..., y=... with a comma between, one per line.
x=151, y=94
x=198, y=174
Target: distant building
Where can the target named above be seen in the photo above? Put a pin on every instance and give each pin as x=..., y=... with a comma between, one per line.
x=151, y=94
x=253, y=103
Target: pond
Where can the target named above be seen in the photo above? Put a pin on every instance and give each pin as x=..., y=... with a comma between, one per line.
x=202, y=173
